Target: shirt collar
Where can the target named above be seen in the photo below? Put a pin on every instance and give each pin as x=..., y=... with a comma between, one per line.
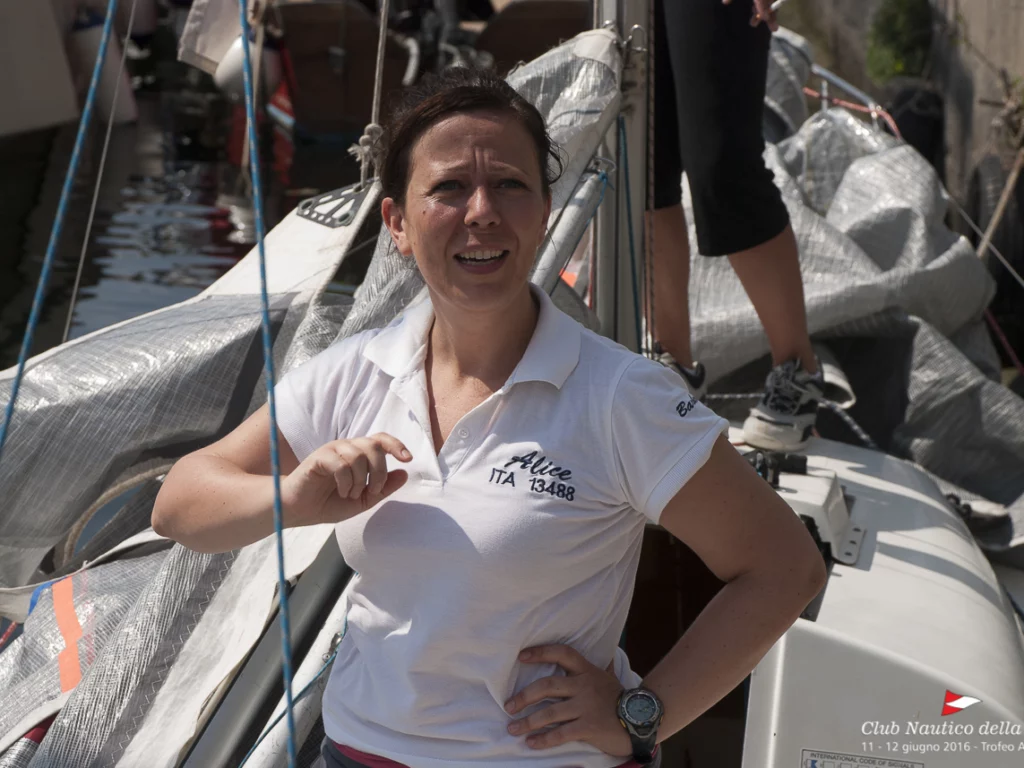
x=552, y=354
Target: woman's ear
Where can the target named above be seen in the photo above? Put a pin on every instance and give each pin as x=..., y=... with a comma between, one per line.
x=394, y=220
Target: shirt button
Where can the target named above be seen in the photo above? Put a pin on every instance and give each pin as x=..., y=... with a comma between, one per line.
x=463, y=433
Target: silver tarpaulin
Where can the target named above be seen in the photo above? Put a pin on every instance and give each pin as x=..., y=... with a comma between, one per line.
x=897, y=297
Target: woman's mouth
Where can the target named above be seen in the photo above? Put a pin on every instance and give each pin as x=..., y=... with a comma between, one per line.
x=481, y=261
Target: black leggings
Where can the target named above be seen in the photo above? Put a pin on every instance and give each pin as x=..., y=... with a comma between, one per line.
x=709, y=83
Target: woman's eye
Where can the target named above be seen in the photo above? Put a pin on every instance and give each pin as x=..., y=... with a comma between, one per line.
x=512, y=184
x=447, y=186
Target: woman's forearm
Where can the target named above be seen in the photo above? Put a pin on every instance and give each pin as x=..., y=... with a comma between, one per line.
x=729, y=637
x=210, y=505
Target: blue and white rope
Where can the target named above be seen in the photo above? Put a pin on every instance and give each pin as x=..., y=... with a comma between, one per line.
x=268, y=363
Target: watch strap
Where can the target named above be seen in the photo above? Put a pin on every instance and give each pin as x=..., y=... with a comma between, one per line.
x=643, y=749
x=643, y=743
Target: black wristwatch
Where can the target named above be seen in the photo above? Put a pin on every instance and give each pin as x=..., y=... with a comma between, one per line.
x=640, y=713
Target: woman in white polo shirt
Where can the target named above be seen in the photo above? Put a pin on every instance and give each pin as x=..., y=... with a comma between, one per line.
x=490, y=465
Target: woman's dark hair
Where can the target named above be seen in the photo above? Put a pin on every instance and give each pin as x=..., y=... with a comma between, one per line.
x=454, y=91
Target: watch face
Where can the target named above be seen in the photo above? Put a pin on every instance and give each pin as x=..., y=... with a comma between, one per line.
x=641, y=708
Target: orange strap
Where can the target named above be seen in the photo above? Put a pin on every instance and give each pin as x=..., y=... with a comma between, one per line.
x=70, y=630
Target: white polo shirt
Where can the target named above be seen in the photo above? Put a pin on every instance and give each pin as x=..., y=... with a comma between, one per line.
x=525, y=530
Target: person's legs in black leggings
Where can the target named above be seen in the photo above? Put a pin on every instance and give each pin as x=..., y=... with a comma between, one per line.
x=719, y=67
x=669, y=237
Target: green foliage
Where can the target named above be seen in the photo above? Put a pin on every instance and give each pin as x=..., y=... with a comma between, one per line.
x=899, y=39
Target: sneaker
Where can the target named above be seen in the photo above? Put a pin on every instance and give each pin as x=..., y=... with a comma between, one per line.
x=696, y=378
x=784, y=418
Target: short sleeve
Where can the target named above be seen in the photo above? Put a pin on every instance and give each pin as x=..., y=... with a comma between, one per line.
x=312, y=398
x=660, y=435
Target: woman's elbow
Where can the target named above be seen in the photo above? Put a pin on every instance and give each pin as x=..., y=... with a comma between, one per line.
x=818, y=576
x=162, y=518
x=167, y=522
x=170, y=503
x=809, y=570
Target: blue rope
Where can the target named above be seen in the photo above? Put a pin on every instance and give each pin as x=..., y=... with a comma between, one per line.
x=58, y=222
x=268, y=361
x=629, y=220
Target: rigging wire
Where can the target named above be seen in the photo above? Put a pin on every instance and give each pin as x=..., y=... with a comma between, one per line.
x=99, y=177
x=989, y=317
x=328, y=660
x=58, y=223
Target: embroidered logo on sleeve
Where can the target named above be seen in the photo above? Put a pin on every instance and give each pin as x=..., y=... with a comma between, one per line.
x=543, y=476
x=685, y=406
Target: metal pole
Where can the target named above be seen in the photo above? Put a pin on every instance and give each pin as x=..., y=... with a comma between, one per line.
x=634, y=20
x=606, y=241
x=605, y=232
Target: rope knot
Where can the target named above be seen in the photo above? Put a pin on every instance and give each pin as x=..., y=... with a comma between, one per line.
x=364, y=150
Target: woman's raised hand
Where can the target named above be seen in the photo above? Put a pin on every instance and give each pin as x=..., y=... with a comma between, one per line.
x=588, y=710
x=342, y=479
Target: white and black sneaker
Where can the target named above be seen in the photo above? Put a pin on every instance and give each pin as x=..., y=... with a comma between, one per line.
x=784, y=419
x=696, y=378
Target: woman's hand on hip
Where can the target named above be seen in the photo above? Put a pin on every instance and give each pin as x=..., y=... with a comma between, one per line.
x=588, y=710
x=342, y=479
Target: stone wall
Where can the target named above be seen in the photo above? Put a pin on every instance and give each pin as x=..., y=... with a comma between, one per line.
x=980, y=37
x=973, y=39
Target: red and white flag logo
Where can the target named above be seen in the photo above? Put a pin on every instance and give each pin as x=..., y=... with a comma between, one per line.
x=956, y=703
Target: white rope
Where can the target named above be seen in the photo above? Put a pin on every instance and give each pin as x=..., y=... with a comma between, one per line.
x=363, y=151
x=99, y=176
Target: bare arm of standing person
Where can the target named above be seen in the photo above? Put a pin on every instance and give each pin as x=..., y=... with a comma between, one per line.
x=221, y=497
x=750, y=539
x=762, y=12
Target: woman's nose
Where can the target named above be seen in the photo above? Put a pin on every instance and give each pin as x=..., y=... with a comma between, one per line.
x=482, y=209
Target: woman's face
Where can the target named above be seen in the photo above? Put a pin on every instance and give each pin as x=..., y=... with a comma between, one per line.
x=474, y=212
